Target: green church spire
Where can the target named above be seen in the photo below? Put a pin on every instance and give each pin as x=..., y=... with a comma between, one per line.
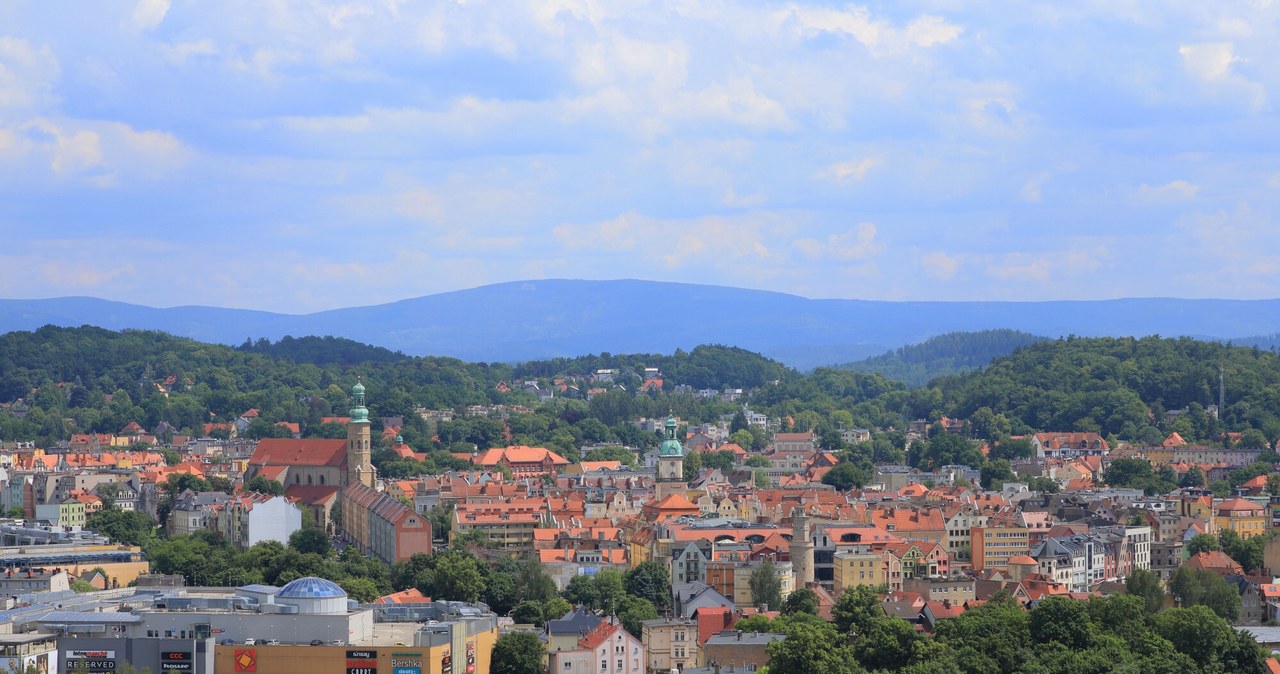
x=359, y=413
x=671, y=446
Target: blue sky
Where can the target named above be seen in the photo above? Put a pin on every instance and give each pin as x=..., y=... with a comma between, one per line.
x=304, y=155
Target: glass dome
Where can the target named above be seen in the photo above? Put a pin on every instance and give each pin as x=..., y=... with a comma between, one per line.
x=311, y=587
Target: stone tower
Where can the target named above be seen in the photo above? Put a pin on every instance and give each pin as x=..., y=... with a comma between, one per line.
x=359, y=463
x=670, y=464
x=801, y=547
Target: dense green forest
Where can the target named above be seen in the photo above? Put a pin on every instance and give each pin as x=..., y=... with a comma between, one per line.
x=1123, y=387
x=94, y=380
x=322, y=351
x=952, y=353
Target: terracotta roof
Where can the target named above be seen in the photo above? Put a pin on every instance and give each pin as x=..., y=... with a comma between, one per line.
x=598, y=635
x=410, y=596
x=519, y=454
x=305, y=452
x=1238, y=505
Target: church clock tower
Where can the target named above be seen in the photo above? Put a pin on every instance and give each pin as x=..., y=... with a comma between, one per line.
x=670, y=464
x=359, y=463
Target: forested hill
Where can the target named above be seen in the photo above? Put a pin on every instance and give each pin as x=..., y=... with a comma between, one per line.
x=78, y=380
x=952, y=353
x=93, y=380
x=1122, y=387
x=322, y=350
x=710, y=366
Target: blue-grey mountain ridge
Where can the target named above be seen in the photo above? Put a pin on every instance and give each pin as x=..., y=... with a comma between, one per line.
x=524, y=320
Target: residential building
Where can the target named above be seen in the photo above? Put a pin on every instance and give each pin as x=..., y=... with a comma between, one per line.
x=382, y=526
x=994, y=544
x=745, y=650
x=670, y=644
x=606, y=649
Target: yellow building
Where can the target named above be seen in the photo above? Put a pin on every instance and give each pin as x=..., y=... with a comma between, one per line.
x=853, y=569
x=993, y=545
x=670, y=644
x=1246, y=518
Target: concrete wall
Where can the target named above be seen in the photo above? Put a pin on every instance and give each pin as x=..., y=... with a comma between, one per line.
x=241, y=625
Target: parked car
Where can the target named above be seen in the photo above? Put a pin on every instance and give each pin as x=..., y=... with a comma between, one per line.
x=317, y=642
x=273, y=642
x=250, y=642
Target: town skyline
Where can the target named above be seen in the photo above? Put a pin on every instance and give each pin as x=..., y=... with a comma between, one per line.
x=321, y=155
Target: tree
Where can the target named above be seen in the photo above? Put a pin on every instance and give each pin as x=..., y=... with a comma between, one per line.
x=556, y=608
x=1253, y=439
x=362, y=590
x=311, y=540
x=649, y=580
x=802, y=600
x=1194, y=477
x=82, y=585
x=1063, y=620
x=1203, y=543
x=692, y=465
x=811, y=648
x=995, y=473
x=528, y=613
x=517, y=653
x=742, y=438
x=993, y=637
x=766, y=589
x=633, y=612
x=1043, y=485
x=761, y=480
x=1207, y=638
x=845, y=476
x=856, y=609
x=756, y=461
x=1199, y=587
x=611, y=454
x=262, y=485
x=1273, y=484
x=453, y=575
x=1145, y=584
x=126, y=527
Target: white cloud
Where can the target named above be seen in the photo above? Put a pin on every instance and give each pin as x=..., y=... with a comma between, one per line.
x=879, y=36
x=940, y=265
x=856, y=244
x=179, y=53
x=1209, y=61
x=849, y=171
x=1174, y=190
x=27, y=74
x=148, y=14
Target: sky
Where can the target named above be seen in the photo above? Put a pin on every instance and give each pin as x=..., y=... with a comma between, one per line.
x=300, y=155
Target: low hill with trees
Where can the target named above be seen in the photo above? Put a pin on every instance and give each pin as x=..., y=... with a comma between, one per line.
x=952, y=353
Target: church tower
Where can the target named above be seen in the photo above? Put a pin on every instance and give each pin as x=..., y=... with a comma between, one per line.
x=359, y=463
x=670, y=464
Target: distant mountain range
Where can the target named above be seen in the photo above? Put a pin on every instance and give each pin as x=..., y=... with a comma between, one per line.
x=519, y=321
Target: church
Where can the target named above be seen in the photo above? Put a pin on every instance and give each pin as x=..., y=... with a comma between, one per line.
x=314, y=470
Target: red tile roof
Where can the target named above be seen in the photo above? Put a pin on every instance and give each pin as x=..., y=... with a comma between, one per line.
x=305, y=452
